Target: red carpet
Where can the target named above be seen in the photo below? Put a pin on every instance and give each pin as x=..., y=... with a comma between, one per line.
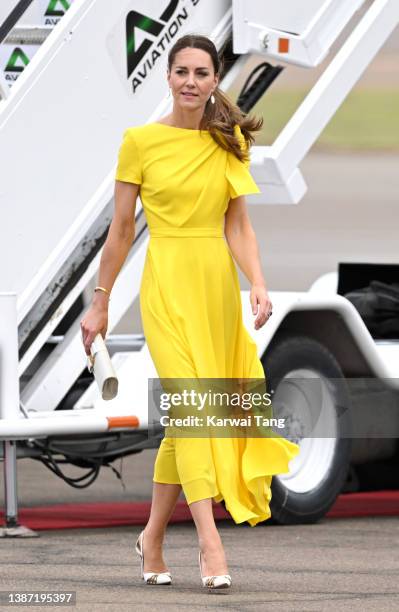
x=109, y=514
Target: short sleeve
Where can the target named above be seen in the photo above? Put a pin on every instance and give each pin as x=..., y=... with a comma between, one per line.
x=129, y=160
x=238, y=176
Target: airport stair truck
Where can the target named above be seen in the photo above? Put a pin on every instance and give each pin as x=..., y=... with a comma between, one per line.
x=74, y=76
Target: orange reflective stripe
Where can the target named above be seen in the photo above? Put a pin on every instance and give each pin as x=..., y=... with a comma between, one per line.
x=123, y=421
x=283, y=45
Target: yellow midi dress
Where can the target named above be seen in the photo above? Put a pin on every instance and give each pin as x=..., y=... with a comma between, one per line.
x=191, y=309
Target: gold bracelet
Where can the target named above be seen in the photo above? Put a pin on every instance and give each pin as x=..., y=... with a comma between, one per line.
x=102, y=289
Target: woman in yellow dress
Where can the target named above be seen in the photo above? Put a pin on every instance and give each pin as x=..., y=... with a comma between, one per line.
x=192, y=171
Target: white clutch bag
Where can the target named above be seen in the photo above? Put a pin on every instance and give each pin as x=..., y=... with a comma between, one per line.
x=100, y=364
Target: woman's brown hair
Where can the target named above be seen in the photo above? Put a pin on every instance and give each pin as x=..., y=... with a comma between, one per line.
x=220, y=118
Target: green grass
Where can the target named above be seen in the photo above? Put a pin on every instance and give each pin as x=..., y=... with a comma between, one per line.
x=366, y=120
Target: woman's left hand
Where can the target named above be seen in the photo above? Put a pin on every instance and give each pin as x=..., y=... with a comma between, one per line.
x=261, y=304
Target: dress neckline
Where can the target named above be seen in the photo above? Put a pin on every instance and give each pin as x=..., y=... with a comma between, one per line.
x=179, y=128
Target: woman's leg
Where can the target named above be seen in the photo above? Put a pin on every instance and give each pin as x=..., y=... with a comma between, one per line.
x=194, y=464
x=164, y=498
x=213, y=556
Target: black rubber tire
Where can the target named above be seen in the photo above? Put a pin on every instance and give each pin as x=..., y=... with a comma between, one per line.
x=284, y=355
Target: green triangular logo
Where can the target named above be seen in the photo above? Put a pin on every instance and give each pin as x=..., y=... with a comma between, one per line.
x=135, y=20
x=52, y=10
x=17, y=56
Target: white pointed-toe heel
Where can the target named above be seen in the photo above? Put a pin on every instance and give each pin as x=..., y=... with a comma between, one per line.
x=214, y=582
x=151, y=577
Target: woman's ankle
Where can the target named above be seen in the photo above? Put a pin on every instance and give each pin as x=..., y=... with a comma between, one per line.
x=156, y=536
x=210, y=544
